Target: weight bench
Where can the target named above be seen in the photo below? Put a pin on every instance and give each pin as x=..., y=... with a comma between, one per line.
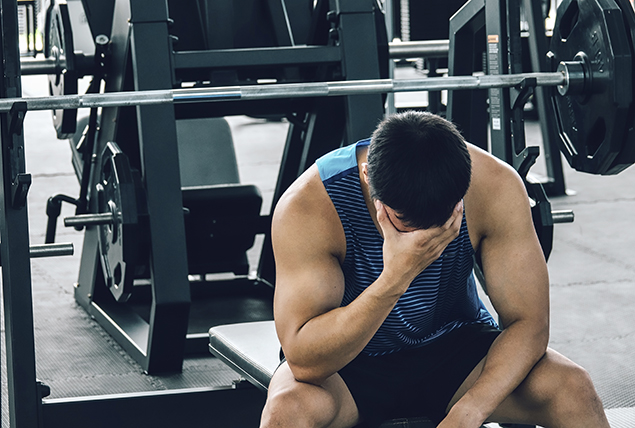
x=252, y=349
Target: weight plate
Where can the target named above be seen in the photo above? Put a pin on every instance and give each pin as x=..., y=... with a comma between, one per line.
x=59, y=44
x=626, y=156
x=592, y=126
x=119, y=241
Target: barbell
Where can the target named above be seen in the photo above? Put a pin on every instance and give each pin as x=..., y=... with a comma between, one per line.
x=566, y=81
x=592, y=58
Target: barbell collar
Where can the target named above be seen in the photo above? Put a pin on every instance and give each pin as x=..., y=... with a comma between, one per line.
x=84, y=220
x=287, y=90
x=36, y=66
x=577, y=77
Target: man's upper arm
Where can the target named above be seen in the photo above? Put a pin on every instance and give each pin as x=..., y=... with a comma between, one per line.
x=309, y=279
x=513, y=263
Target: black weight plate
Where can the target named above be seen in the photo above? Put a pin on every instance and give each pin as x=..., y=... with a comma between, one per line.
x=59, y=43
x=592, y=126
x=119, y=241
x=626, y=156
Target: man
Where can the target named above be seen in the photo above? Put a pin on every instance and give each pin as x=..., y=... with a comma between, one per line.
x=376, y=306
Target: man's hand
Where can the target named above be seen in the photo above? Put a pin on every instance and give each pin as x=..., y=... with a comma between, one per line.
x=462, y=418
x=406, y=254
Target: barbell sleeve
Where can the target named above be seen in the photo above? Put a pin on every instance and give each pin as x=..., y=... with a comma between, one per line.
x=562, y=216
x=83, y=220
x=419, y=49
x=50, y=250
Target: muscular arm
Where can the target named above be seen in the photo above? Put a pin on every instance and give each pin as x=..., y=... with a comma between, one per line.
x=317, y=335
x=517, y=284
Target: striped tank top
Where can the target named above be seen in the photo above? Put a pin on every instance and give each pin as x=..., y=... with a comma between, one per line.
x=441, y=298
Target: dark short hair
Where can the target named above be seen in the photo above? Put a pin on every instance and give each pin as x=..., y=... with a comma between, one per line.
x=419, y=165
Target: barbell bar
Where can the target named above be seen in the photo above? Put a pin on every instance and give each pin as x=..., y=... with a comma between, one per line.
x=84, y=220
x=561, y=78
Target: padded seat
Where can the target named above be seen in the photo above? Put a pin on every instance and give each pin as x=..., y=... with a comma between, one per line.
x=252, y=350
x=221, y=222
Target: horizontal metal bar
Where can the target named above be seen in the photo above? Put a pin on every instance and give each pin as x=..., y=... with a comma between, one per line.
x=272, y=91
x=223, y=406
x=562, y=216
x=299, y=55
x=50, y=250
x=88, y=220
x=291, y=55
x=419, y=49
x=32, y=66
x=257, y=57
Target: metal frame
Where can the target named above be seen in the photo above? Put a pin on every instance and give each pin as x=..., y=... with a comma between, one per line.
x=158, y=345
x=555, y=184
x=497, y=22
x=145, y=131
x=14, y=236
x=233, y=406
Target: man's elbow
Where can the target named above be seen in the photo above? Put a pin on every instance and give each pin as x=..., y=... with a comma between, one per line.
x=540, y=335
x=536, y=330
x=308, y=375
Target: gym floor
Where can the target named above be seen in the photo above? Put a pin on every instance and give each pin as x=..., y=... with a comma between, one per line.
x=592, y=271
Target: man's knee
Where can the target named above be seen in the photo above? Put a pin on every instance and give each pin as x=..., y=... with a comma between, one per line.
x=298, y=406
x=574, y=393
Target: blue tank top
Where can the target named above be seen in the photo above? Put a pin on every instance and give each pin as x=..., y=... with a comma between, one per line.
x=440, y=299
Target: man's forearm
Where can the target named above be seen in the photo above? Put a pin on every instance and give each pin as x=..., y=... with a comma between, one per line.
x=328, y=342
x=514, y=353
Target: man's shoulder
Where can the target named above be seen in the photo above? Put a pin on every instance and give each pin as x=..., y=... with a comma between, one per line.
x=304, y=193
x=496, y=194
x=490, y=175
x=306, y=212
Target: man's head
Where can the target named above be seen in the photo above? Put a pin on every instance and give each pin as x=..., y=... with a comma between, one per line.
x=419, y=166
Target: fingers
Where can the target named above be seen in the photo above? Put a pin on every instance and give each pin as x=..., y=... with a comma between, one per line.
x=457, y=215
x=452, y=227
x=382, y=218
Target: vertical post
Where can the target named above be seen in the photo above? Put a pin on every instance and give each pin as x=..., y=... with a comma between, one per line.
x=24, y=399
x=390, y=97
x=555, y=186
x=468, y=109
x=497, y=63
x=152, y=69
x=358, y=40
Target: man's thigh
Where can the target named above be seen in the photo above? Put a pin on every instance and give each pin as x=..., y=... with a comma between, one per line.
x=330, y=403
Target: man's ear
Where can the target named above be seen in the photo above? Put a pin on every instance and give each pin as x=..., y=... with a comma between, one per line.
x=365, y=171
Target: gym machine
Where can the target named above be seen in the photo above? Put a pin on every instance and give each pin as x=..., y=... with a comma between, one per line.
x=160, y=47
x=131, y=183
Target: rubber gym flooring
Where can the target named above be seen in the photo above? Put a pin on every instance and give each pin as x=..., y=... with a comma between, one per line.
x=592, y=271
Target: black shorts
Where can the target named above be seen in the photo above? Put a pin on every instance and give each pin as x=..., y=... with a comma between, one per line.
x=416, y=382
